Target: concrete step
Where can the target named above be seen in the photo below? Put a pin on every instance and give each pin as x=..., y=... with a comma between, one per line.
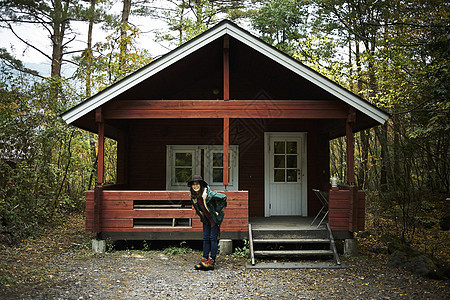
x=293, y=252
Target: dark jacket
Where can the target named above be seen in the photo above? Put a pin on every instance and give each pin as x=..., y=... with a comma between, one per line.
x=214, y=203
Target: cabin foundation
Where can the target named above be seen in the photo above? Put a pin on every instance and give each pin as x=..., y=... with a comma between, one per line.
x=226, y=246
x=351, y=247
x=98, y=246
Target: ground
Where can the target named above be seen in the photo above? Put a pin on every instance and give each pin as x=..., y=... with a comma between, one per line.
x=59, y=265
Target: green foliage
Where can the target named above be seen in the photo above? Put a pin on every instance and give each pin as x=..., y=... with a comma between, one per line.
x=292, y=27
x=110, y=65
x=37, y=169
x=282, y=23
x=243, y=251
x=182, y=249
x=187, y=19
x=14, y=63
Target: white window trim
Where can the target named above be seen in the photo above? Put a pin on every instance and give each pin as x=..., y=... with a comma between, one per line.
x=208, y=150
x=233, y=167
x=170, y=164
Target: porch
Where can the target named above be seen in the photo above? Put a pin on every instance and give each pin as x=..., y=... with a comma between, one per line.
x=119, y=214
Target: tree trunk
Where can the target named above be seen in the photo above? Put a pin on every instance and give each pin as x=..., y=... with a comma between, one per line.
x=396, y=151
x=89, y=58
x=123, y=36
x=59, y=27
x=364, y=137
x=88, y=52
x=381, y=133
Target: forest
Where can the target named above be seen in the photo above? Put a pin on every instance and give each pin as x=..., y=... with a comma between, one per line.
x=394, y=54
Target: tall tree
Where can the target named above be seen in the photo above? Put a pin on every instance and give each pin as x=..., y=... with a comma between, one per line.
x=53, y=17
x=188, y=18
x=123, y=31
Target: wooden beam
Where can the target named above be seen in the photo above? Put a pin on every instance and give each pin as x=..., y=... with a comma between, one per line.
x=188, y=109
x=226, y=141
x=226, y=68
x=99, y=115
x=101, y=145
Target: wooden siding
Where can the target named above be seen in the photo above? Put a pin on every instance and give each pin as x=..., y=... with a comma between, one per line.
x=147, y=140
x=117, y=212
x=339, y=210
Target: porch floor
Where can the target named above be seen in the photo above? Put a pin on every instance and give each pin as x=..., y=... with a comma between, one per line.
x=286, y=223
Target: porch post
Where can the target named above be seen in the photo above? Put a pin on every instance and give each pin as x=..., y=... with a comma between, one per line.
x=353, y=217
x=226, y=138
x=226, y=68
x=101, y=144
x=98, y=191
x=226, y=96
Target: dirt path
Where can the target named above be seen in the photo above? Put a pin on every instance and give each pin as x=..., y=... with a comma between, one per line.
x=60, y=266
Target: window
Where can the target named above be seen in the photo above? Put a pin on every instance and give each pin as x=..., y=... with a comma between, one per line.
x=217, y=167
x=183, y=161
x=183, y=166
x=213, y=170
x=285, y=161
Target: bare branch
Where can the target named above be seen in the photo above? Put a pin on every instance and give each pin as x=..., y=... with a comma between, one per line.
x=27, y=43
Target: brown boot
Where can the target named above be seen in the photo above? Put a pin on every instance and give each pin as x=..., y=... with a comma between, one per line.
x=209, y=265
x=201, y=264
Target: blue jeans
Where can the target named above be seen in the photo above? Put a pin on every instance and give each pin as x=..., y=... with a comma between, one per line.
x=210, y=243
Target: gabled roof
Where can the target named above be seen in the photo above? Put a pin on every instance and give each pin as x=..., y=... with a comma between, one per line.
x=225, y=28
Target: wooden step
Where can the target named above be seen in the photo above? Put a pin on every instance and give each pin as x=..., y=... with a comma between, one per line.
x=291, y=241
x=306, y=237
x=294, y=252
x=289, y=234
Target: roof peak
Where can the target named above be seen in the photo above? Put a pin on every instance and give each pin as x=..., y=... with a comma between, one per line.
x=224, y=27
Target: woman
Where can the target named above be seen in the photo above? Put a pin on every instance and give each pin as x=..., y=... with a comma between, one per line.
x=209, y=206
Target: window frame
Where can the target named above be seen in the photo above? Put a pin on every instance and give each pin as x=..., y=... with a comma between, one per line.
x=171, y=184
x=233, y=167
x=202, y=156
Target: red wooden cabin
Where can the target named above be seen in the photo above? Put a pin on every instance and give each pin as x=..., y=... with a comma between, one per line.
x=254, y=122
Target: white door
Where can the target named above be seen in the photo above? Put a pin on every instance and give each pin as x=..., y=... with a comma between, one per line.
x=285, y=174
